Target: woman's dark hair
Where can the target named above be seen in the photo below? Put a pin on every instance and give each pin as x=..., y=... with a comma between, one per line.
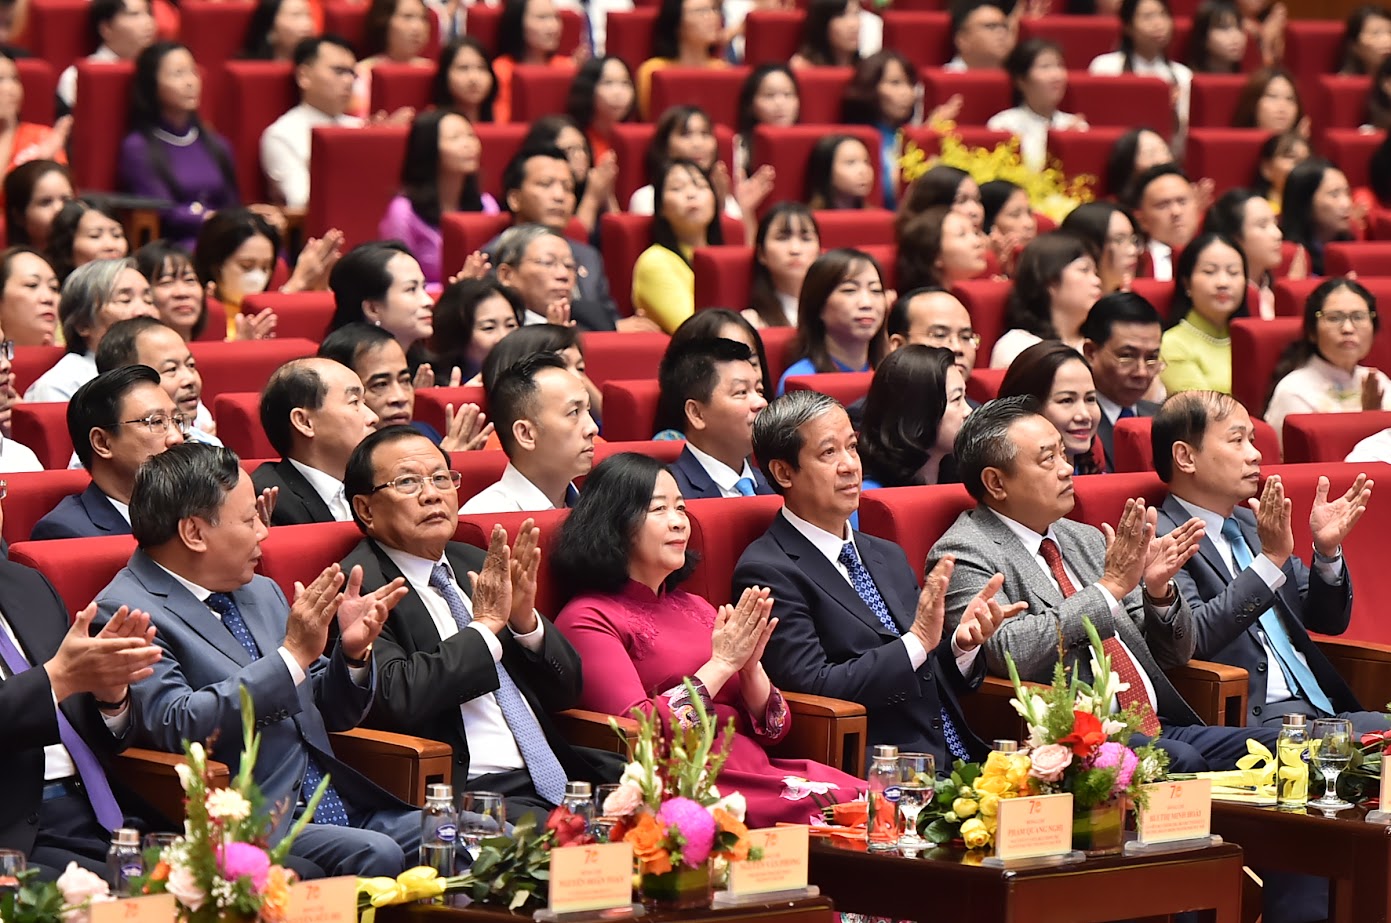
x=511, y=37
x=534, y=338
x=816, y=42
x=440, y=91
x=1227, y=216
x=454, y=318
x=919, y=248
x=374, y=36
x=360, y=276
x=993, y=196
x=19, y=190
x=64, y=233
x=1129, y=8
x=663, y=234
x=1378, y=172
x=579, y=104
x=159, y=257
x=1041, y=265
x=544, y=134
x=823, y=277
x=1120, y=165
x=1244, y=116
x=666, y=31
x=763, y=294
x=1352, y=31
x=819, y=191
x=1378, y=100
x=1300, y=351
x=707, y=325
x=1184, y=266
x=1274, y=146
x=256, y=45
x=749, y=90
x=1091, y=223
x=675, y=119
x=897, y=435
x=1297, y=209
x=222, y=234
x=595, y=542
x=860, y=104
x=938, y=186
x=1032, y=373
x=420, y=170
x=1021, y=59
x=1212, y=14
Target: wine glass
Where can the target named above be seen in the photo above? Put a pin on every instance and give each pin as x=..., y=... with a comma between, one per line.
x=1331, y=751
x=482, y=815
x=919, y=774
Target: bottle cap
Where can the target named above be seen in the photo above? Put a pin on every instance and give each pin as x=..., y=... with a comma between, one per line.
x=437, y=792
x=579, y=790
x=1296, y=720
x=124, y=836
x=885, y=752
x=1005, y=746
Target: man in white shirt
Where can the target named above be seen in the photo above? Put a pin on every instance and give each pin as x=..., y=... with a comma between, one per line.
x=1123, y=333
x=1166, y=207
x=541, y=411
x=314, y=414
x=982, y=35
x=1375, y=448
x=324, y=73
x=123, y=29
x=709, y=392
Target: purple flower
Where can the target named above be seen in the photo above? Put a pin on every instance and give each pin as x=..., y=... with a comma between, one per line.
x=1112, y=754
x=237, y=859
x=696, y=826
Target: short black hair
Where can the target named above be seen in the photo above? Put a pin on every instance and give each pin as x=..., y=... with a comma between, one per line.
x=1184, y=417
x=515, y=172
x=223, y=234
x=360, y=276
x=102, y=12
x=962, y=10
x=360, y=474
x=190, y=479
x=295, y=384
x=595, y=542
x=522, y=342
x=307, y=50
x=1117, y=308
x=97, y=405
x=157, y=256
x=983, y=441
x=350, y=341
x=1134, y=194
x=898, y=321
x=690, y=372
x=513, y=394
x=777, y=430
x=121, y=345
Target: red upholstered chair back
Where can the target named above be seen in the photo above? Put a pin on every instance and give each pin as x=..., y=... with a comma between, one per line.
x=478, y=470
x=305, y=315
x=985, y=301
x=664, y=451
x=32, y=495
x=1329, y=437
x=214, y=31
x=984, y=384
x=846, y=387
x=245, y=365
x=477, y=531
x=1086, y=152
x=624, y=238
x=1311, y=49
x=1351, y=149
x=1290, y=295
x=610, y=356
x=1081, y=37
x=102, y=559
x=431, y=403
x=723, y=277
x=43, y=428
x=1125, y=100
x=913, y=517
x=255, y=94
x=857, y=227
x=1259, y=343
x=1366, y=258
x=787, y=150
x=822, y=90
x=1338, y=102
x=631, y=141
x=1100, y=498
x=720, y=531
x=238, y=417
x=30, y=362
x=483, y=22
x=353, y=174
x=500, y=143
x=772, y=36
x=539, y=90
x=395, y=85
x=777, y=343
x=1214, y=99
x=630, y=408
x=40, y=81
x=348, y=19
x=1229, y=156
x=715, y=91
x=923, y=36
x=1134, y=451
x=59, y=32
x=630, y=35
x=292, y=553
x=983, y=92
x=99, y=121
x=1160, y=294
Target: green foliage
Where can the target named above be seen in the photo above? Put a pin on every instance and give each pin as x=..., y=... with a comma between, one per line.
x=37, y=901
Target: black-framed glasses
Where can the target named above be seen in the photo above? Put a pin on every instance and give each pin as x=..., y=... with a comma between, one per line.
x=408, y=485
x=7, y=349
x=158, y=423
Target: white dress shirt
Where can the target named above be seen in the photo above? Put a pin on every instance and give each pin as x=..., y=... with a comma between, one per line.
x=1161, y=261
x=67, y=80
x=1032, y=129
x=491, y=746
x=60, y=382
x=724, y=476
x=16, y=457
x=1375, y=448
x=124, y=510
x=329, y=489
x=1110, y=408
x=285, y=150
x=512, y=493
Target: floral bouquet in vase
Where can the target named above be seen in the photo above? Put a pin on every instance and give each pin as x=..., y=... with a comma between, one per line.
x=965, y=804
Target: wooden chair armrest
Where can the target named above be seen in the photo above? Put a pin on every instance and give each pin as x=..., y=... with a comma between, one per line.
x=830, y=731
x=803, y=704
x=1365, y=665
x=399, y=763
x=584, y=728
x=151, y=775
x=989, y=713
x=1216, y=691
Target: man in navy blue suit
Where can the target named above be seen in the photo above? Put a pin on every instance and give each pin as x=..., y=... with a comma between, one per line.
x=709, y=392
x=118, y=421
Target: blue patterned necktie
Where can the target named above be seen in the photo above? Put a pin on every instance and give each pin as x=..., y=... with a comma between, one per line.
x=1126, y=414
x=745, y=486
x=864, y=586
x=1303, y=680
x=547, y=775
x=331, y=810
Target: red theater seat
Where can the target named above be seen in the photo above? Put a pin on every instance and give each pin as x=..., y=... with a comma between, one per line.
x=722, y=277
x=629, y=35
x=396, y=85
x=300, y=553
x=43, y=427
x=1328, y=437
x=1082, y=37
x=822, y=88
x=1100, y=498
x=846, y=387
x=1086, y=153
x=353, y=175
x=778, y=344
x=348, y=19
x=1338, y=102
x=214, y=31
x=1290, y=295
x=99, y=121
x=431, y=404
x=238, y=417
x=483, y=22
x=298, y=314
x=30, y=362
x=924, y=37
x=630, y=408
x=787, y=149
x=913, y=518
x=610, y=356
x=1228, y=156
x=256, y=94
x=1125, y=99
x=59, y=31
x=40, y=82
x=1351, y=149
x=1366, y=258
x=985, y=301
x=856, y=227
x=478, y=470
x=32, y=495
x=1214, y=99
x=102, y=559
x=539, y=90
x=772, y=36
x=984, y=384
x=715, y=91
x=1160, y=294
x=720, y=531
x=1134, y=452
x=1312, y=47
x=983, y=93
x=664, y=450
x=500, y=143
x=631, y=141
x=245, y=365
x=624, y=238
x=1260, y=343
x=477, y=531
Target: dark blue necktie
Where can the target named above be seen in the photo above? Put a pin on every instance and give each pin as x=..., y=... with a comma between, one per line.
x=331, y=809
x=1126, y=414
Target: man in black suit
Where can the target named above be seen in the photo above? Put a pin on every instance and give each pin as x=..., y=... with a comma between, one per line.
x=852, y=623
x=118, y=421
x=314, y=414
x=1122, y=333
x=709, y=392
x=467, y=661
x=1254, y=601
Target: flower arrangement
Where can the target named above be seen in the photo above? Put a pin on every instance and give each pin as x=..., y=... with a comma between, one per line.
x=68, y=899
x=222, y=867
x=1050, y=191
x=964, y=805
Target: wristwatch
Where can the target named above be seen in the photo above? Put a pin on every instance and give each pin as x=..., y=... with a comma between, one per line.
x=1170, y=592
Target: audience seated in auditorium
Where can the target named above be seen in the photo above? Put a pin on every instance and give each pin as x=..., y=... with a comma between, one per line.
x=396, y=33
x=685, y=132
x=770, y=96
x=909, y=442
x=982, y=35
x=465, y=81
x=1055, y=285
x=1147, y=29
x=1059, y=380
x=1122, y=336
x=174, y=287
x=1108, y=229
x=121, y=29
x=1210, y=288
x=381, y=284
x=840, y=319
x=1133, y=153
x=939, y=248
x=788, y=239
x=839, y=174
x=687, y=218
x=594, y=180
x=1366, y=40
x=602, y=97
x=28, y=297
x=85, y=229
x=941, y=185
x=1270, y=101
x=34, y=193
x=537, y=265
x=1280, y=154
x=1039, y=75
x=528, y=33
x=933, y=317
x=1165, y=206
x=1247, y=218
x=830, y=35
x=276, y=27
x=686, y=33
x=26, y=141
x=544, y=338
x=1008, y=222
x=1317, y=209
x=722, y=323
x=149, y=341
x=884, y=94
x=471, y=317
x=1217, y=44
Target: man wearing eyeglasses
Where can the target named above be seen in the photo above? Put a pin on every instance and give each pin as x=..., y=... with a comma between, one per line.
x=1122, y=338
x=464, y=657
x=118, y=421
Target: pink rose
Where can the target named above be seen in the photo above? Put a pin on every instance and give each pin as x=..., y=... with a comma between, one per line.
x=1048, y=762
x=236, y=860
x=78, y=886
x=623, y=801
x=183, y=884
x=1122, y=758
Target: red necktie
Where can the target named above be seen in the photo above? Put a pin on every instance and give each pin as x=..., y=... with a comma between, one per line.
x=1121, y=662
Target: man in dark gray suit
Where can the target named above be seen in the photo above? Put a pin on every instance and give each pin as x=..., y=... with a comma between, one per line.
x=1122, y=334
x=1254, y=601
x=1013, y=462
x=222, y=627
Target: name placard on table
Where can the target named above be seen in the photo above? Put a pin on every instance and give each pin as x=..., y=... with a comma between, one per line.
x=1176, y=811
x=586, y=878
x=325, y=900
x=152, y=908
x=1032, y=827
x=782, y=868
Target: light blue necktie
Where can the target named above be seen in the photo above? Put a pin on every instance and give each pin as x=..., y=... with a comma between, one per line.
x=745, y=487
x=547, y=775
x=1275, y=632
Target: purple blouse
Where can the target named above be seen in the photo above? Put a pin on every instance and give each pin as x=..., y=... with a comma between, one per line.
x=422, y=238
x=202, y=187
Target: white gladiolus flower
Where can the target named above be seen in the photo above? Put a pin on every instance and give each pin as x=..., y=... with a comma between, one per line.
x=228, y=804
x=185, y=775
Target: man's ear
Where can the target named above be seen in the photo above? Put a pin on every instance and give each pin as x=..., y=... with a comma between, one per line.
x=695, y=415
x=362, y=505
x=101, y=442
x=193, y=533
x=993, y=480
x=780, y=472
x=1090, y=350
x=524, y=432
x=1185, y=457
x=301, y=422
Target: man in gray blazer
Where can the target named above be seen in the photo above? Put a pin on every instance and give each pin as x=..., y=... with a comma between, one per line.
x=221, y=627
x=1123, y=333
x=1013, y=463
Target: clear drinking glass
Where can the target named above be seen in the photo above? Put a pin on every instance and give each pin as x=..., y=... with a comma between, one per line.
x=159, y=842
x=481, y=815
x=1330, y=750
x=919, y=774
x=603, y=823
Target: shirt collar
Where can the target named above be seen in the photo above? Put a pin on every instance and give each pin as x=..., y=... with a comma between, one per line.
x=516, y=485
x=825, y=542
x=1205, y=326
x=1211, y=520
x=1030, y=539
x=199, y=593
x=724, y=476
x=415, y=569
x=122, y=508
x=1110, y=408
x=1340, y=378
x=328, y=487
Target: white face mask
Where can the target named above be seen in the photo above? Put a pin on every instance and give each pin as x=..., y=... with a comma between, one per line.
x=254, y=282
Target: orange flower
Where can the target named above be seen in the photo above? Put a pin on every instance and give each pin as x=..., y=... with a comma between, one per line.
x=275, y=901
x=646, y=839
x=850, y=813
x=728, y=823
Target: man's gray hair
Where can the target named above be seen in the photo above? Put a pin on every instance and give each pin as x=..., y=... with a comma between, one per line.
x=983, y=441
x=777, y=430
x=515, y=241
x=87, y=289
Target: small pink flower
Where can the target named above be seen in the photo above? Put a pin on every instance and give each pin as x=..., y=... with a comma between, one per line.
x=623, y=801
x=695, y=824
x=1120, y=756
x=242, y=859
x=1049, y=762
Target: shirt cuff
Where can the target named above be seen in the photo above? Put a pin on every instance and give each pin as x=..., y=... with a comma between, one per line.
x=118, y=723
x=296, y=671
x=1111, y=602
x=490, y=639
x=917, y=654
x=965, y=660
x=1331, y=571
x=532, y=639
x=1265, y=568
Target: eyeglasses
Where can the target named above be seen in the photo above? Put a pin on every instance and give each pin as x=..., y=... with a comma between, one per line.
x=7, y=349
x=408, y=485
x=550, y=264
x=158, y=423
x=942, y=335
x=1121, y=240
x=1130, y=361
x=1339, y=318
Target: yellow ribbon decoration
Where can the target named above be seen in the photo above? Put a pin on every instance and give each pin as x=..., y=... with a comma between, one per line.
x=411, y=885
x=1255, y=774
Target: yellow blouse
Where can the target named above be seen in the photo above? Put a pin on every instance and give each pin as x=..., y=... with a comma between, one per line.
x=1198, y=356
x=663, y=287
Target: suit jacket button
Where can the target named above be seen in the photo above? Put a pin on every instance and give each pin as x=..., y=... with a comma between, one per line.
x=936, y=724
x=1255, y=709
x=1260, y=667
x=459, y=760
x=32, y=819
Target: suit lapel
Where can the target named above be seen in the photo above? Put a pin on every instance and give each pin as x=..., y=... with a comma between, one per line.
x=824, y=572
x=1014, y=554
x=38, y=637
x=902, y=611
x=299, y=485
x=1178, y=514
x=266, y=628
x=180, y=603
x=100, y=511
x=695, y=473
x=414, y=617
x=1107, y=433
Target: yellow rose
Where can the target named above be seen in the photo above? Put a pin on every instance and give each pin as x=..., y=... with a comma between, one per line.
x=975, y=833
x=996, y=763
x=1018, y=771
x=995, y=785
x=964, y=807
x=991, y=823
x=989, y=804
